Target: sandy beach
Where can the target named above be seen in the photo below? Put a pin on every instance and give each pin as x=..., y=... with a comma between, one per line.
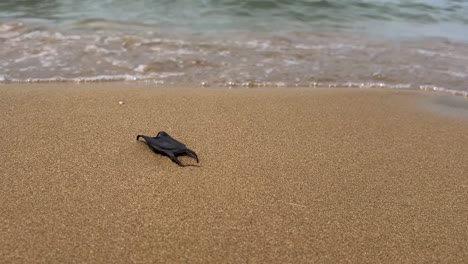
x=286, y=176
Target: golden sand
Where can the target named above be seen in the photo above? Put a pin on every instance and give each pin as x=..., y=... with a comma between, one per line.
x=286, y=176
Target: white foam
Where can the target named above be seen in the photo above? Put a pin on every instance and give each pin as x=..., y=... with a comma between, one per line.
x=164, y=75
x=92, y=48
x=99, y=78
x=430, y=53
x=140, y=68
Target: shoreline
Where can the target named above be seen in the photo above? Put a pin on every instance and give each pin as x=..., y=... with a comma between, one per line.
x=145, y=83
x=286, y=175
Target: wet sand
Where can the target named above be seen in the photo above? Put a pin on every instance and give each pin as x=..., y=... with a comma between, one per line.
x=286, y=176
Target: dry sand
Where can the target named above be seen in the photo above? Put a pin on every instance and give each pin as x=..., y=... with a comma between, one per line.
x=287, y=175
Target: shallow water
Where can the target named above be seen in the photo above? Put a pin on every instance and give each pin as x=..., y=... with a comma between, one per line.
x=397, y=44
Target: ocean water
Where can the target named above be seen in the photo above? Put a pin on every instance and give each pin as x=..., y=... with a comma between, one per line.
x=408, y=44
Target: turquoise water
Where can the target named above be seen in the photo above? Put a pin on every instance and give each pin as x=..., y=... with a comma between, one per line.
x=446, y=18
x=391, y=43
